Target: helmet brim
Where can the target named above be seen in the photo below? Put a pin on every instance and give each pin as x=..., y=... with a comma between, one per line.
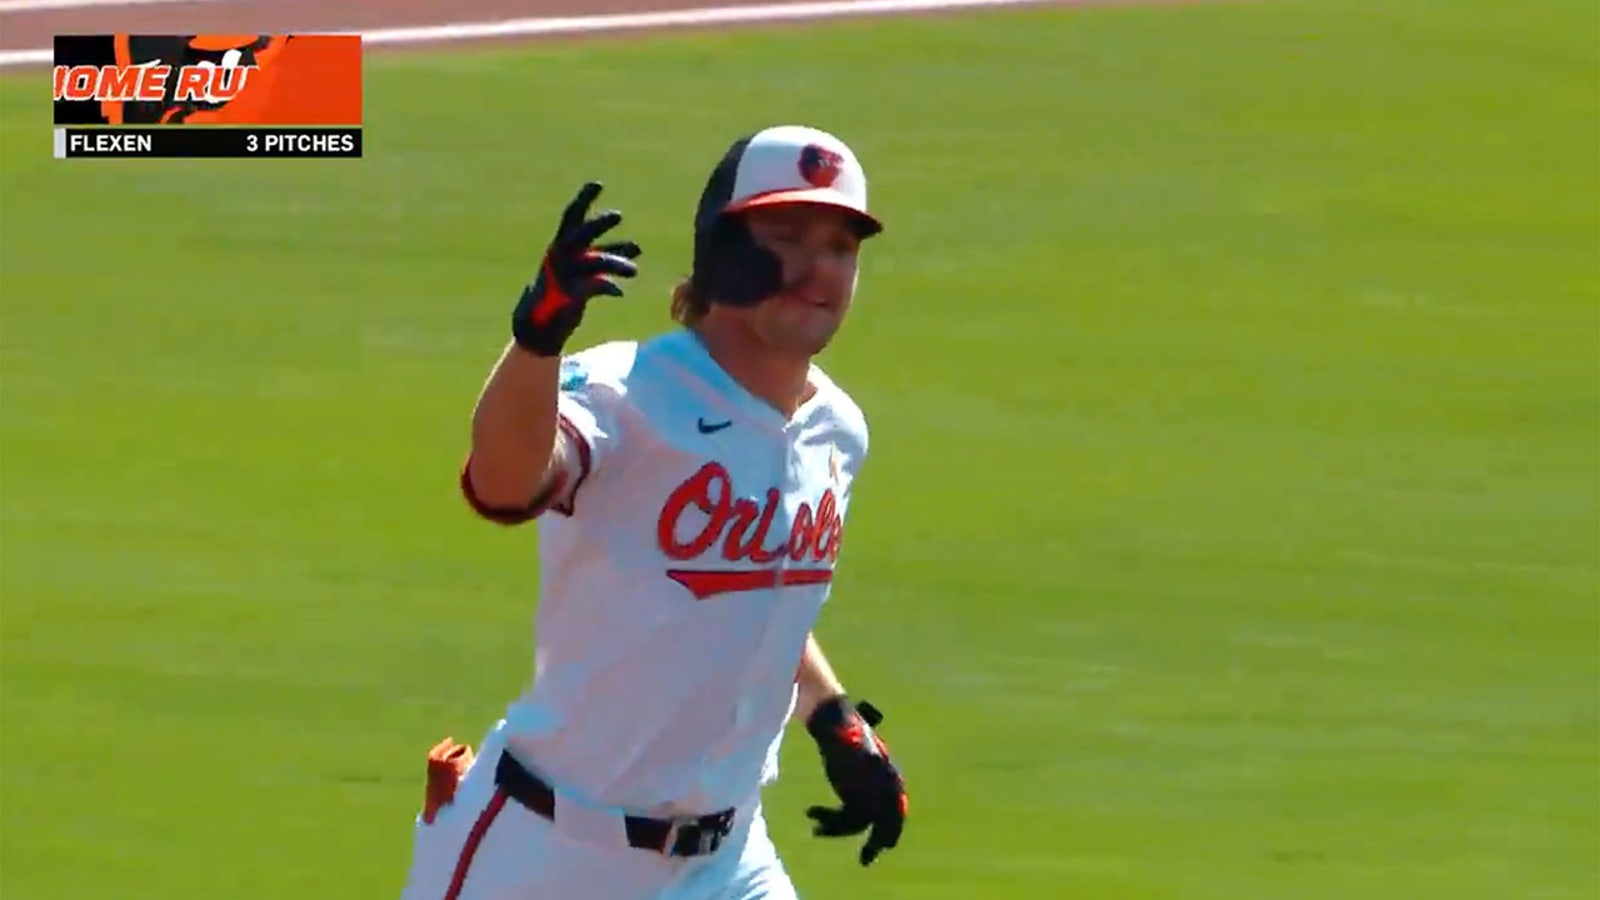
x=867, y=224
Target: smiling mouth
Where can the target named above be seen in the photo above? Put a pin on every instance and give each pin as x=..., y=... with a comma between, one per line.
x=802, y=298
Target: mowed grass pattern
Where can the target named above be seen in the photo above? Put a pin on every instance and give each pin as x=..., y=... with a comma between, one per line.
x=1231, y=525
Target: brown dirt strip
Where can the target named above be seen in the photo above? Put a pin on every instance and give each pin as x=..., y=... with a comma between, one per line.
x=21, y=30
x=35, y=28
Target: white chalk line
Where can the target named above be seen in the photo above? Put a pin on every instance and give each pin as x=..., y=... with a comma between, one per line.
x=549, y=25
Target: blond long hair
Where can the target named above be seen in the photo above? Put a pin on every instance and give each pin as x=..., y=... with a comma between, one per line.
x=689, y=306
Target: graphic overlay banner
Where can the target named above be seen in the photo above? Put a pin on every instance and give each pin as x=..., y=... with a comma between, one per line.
x=208, y=95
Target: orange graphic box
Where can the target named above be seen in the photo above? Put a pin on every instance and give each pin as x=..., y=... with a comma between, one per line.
x=301, y=79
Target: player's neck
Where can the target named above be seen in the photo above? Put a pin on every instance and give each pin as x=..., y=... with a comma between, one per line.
x=782, y=382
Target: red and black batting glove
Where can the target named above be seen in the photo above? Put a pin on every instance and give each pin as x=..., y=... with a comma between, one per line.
x=871, y=792
x=574, y=271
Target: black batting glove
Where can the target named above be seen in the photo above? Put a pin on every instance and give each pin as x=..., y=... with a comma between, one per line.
x=574, y=271
x=871, y=792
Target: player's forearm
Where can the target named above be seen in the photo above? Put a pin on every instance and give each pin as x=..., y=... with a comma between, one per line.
x=816, y=680
x=514, y=429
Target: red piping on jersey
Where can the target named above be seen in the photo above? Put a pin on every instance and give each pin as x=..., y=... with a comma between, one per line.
x=705, y=584
x=518, y=515
x=566, y=427
x=506, y=515
x=480, y=828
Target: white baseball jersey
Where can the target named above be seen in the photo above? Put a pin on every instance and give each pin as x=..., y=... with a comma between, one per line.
x=682, y=562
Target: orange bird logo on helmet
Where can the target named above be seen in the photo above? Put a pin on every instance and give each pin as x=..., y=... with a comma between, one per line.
x=820, y=166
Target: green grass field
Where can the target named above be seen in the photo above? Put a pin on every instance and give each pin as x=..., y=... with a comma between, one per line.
x=1233, y=525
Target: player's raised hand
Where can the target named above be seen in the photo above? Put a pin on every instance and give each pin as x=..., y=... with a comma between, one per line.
x=574, y=271
x=871, y=792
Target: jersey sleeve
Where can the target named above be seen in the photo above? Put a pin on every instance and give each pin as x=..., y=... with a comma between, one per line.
x=588, y=424
x=588, y=427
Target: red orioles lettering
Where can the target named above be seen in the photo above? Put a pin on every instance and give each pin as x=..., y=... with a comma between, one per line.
x=744, y=530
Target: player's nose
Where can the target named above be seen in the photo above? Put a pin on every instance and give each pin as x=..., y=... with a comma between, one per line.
x=827, y=266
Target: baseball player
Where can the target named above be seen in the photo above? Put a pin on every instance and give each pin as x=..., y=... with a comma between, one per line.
x=690, y=493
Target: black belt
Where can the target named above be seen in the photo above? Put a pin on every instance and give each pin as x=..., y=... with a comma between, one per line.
x=696, y=836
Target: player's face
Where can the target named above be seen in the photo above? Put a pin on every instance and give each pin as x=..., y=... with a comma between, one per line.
x=818, y=247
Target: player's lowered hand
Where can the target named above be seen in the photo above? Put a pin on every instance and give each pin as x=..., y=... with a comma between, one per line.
x=574, y=271
x=871, y=792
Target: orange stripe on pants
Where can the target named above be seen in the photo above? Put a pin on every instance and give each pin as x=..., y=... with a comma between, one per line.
x=474, y=838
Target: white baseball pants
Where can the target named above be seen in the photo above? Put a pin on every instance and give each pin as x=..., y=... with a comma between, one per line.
x=487, y=846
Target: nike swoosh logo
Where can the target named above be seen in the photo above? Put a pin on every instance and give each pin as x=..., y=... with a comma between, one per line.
x=712, y=428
